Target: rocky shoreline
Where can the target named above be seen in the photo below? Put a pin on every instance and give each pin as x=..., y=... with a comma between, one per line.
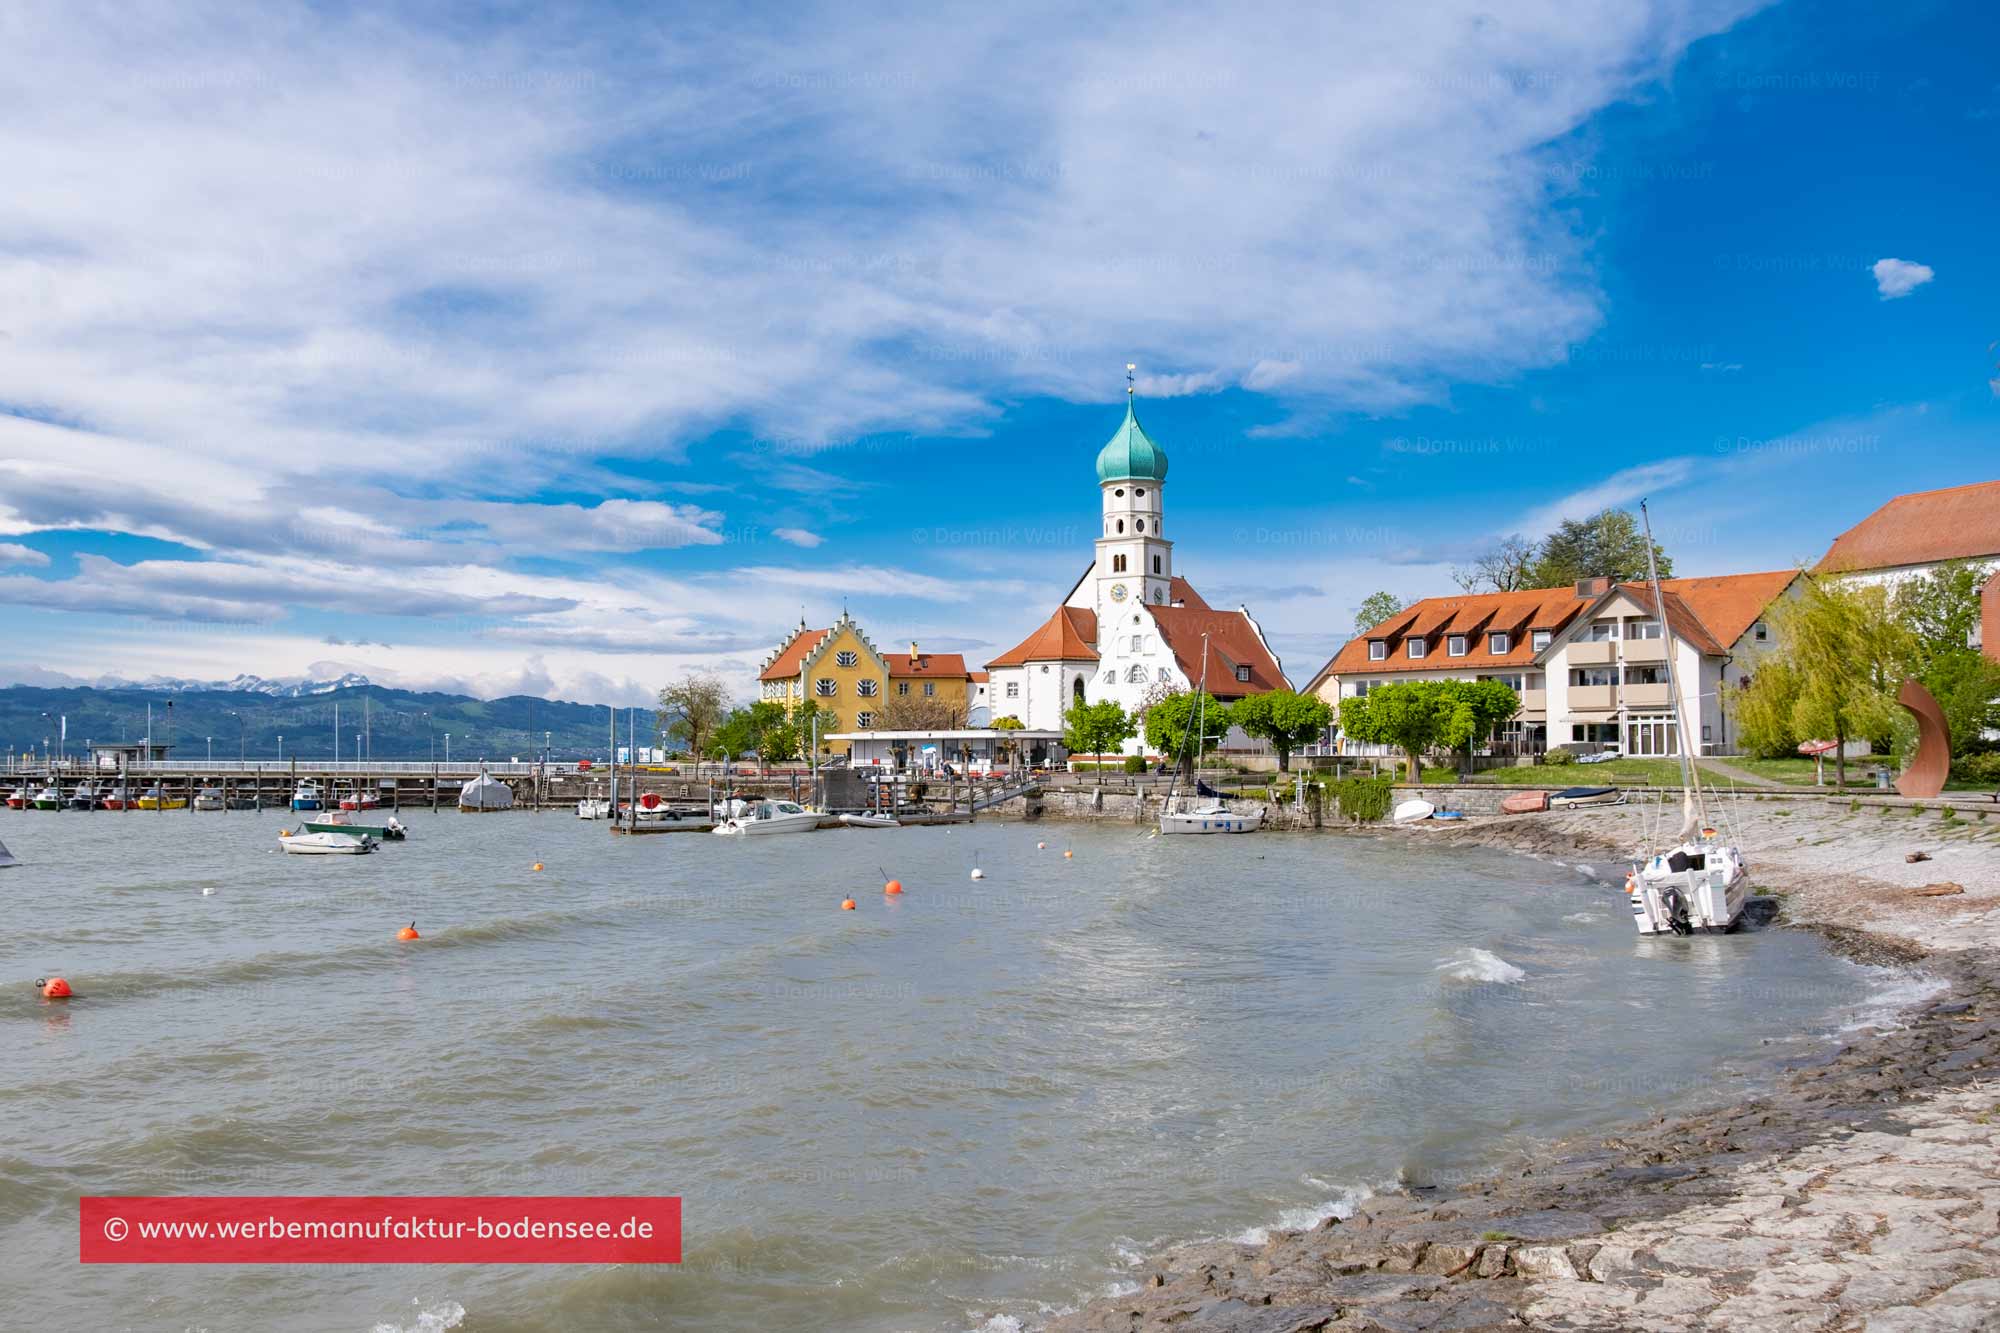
x=1861, y=1192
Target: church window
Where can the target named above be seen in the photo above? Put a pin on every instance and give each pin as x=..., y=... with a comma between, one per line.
x=1139, y=490
x=865, y=688
x=1243, y=675
x=1120, y=492
x=846, y=657
x=1140, y=524
x=1117, y=564
x=1013, y=689
x=864, y=720
x=825, y=688
x=1076, y=689
x=1121, y=525
x=930, y=688
x=1111, y=676
x=1136, y=675
x=1156, y=564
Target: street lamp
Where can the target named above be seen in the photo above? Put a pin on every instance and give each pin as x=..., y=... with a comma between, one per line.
x=447, y=747
x=281, y=747
x=211, y=749
x=430, y=727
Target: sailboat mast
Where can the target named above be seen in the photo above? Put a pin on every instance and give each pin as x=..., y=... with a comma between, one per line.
x=1201, y=711
x=1689, y=782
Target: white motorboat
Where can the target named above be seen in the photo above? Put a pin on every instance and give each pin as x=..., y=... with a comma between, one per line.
x=326, y=844
x=306, y=796
x=764, y=817
x=1408, y=812
x=208, y=798
x=1700, y=883
x=1210, y=817
x=85, y=797
x=871, y=821
x=593, y=808
x=48, y=798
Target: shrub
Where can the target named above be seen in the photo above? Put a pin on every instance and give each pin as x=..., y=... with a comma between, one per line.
x=1983, y=769
x=1364, y=799
x=1135, y=763
x=1558, y=758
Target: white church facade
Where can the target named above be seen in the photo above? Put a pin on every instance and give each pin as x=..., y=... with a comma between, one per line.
x=1131, y=629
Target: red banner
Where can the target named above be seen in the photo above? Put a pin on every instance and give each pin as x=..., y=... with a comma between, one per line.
x=379, y=1229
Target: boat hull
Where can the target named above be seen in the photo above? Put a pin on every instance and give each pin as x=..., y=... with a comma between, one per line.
x=162, y=803
x=381, y=833
x=326, y=844
x=1212, y=821
x=1701, y=899
x=48, y=803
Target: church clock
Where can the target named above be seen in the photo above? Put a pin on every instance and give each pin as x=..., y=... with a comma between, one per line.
x=1117, y=592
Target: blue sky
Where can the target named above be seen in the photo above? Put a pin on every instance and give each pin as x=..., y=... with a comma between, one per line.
x=565, y=354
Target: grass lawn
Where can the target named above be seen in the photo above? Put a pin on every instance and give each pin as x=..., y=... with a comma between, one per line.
x=1611, y=773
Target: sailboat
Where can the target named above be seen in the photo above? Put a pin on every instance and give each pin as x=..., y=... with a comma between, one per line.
x=1700, y=882
x=1208, y=814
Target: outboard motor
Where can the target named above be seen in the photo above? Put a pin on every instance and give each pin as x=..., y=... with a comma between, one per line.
x=1677, y=910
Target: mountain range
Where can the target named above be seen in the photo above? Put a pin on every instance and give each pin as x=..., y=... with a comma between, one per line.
x=248, y=715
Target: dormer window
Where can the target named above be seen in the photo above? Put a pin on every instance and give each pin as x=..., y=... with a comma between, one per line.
x=1243, y=675
x=1455, y=645
x=1414, y=647
x=1377, y=649
x=1540, y=640
x=1499, y=645
x=1762, y=633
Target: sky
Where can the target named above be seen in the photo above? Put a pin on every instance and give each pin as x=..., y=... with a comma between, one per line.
x=496, y=350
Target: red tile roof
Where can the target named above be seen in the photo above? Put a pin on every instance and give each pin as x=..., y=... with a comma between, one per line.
x=932, y=665
x=1181, y=593
x=785, y=666
x=1066, y=636
x=1726, y=605
x=1233, y=641
x=1961, y=523
x=978, y=677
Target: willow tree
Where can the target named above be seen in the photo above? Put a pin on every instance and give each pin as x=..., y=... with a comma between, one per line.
x=1848, y=654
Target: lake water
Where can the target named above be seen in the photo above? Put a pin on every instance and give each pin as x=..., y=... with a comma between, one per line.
x=958, y=1109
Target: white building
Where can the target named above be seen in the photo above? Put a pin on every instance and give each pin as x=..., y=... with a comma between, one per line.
x=1130, y=628
x=1913, y=534
x=1589, y=662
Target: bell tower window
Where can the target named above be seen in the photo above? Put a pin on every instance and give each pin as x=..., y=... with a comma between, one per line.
x=1139, y=523
x=1117, y=564
x=1156, y=564
x=1121, y=525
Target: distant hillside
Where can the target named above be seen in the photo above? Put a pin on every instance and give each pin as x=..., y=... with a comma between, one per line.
x=254, y=718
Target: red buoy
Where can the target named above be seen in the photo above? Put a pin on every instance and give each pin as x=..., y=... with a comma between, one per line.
x=847, y=904
x=893, y=887
x=409, y=932
x=54, y=988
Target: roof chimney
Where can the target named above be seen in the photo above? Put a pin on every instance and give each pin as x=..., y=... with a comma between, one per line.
x=1595, y=586
x=913, y=652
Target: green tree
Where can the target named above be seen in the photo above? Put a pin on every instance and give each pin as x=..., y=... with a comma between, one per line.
x=1170, y=724
x=1941, y=609
x=692, y=708
x=1607, y=543
x=1422, y=715
x=748, y=729
x=1966, y=684
x=1284, y=718
x=1375, y=608
x=795, y=736
x=1476, y=710
x=1849, y=654
x=1763, y=708
x=1006, y=747
x=1099, y=728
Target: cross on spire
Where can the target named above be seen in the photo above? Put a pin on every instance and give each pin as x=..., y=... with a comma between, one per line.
x=1129, y=368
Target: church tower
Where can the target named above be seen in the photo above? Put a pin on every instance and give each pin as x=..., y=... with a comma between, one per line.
x=1135, y=561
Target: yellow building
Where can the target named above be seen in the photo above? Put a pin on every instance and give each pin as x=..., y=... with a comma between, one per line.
x=836, y=668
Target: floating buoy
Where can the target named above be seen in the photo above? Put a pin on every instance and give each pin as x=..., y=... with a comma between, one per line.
x=1040, y=846
x=409, y=932
x=977, y=873
x=847, y=904
x=54, y=988
x=893, y=887
x=207, y=890
x=284, y=833
x=1068, y=855
x=538, y=865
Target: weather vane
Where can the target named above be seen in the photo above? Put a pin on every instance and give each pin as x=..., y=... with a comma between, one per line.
x=1129, y=368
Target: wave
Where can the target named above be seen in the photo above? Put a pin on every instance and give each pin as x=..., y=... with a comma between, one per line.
x=1479, y=966
x=1584, y=918
x=436, y=1319
x=1342, y=1205
x=1883, y=1009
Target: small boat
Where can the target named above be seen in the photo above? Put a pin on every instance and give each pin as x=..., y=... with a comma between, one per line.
x=593, y=808
x=1569, y=797
x=325, y=844
x=1408, y=812
x=118, y=798
x=344, y=822
x=208, y=798
x=7, y=858
x=241, y=803
x=85, y=797
x=485, y=794
x=155, y=799
x=48, y=798
x=360, y=800
x=771, y=817
x=17, y=799
x=1210, y=817
x=306, y=796
x=871, y=821
x=1525, y=803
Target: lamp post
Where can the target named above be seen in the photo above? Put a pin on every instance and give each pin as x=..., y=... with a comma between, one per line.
x=211, y=749
x=281, y=747
x=447, y=747
x=430, y=727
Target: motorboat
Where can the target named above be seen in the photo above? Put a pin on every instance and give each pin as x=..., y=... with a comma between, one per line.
x=857, y=820
x=348, y=824
x=359, y=799
x=306, y=796
x=1210, y=817
x=1408, y=812
x=118, y=798
x=593, y=808
x=1570, y=797
x=208, y=798
x=85, y=797
x=771, y=817
x=242, y=803
x=325, y=844
x=17, y=799
x=155, y=799
x=48, y=798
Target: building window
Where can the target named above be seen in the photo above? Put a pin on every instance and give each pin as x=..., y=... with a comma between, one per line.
x=930, y=688
x=1760, y=634
x=1540, y=640
x=825, y=688
x=1414, y=647
x=864, y=720
x=1163, y=673
x=1136, y=675
x=1643, y=629
x=902, y=687
x=1243, y=674
x=1138, y=643
x=1139, y=491
x=1645, y=675
x=1377, y=649
x=1587, y=676
x=1455, y=645
x=1013, y=689
x=1138, y=525
x=1120, y=492
x=1111, y=676
x=1361, y=688
x=1499, y=644
x=1156, y=564
x=1117, y=564
x=865, y=688
x=1602, y=631
x=846, y=657
x=1121, y=525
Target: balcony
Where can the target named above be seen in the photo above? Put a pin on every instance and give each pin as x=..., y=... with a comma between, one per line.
x=1645, y=650
x=1591, y=698
x=1584, y=652
x=1534, y=705
x=1647, y=696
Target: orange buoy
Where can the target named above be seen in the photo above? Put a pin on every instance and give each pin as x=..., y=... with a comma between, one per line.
x=538, y=865
x=409, y=932
x=847, y=904
x=1068, y=855
x=54, y=988
x=893, y=887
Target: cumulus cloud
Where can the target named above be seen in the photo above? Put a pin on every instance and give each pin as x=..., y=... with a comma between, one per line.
x=1899, y=277
x=13, y=553
x=798, y=537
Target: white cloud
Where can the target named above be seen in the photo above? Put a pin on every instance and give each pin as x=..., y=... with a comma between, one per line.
x=13, y=553
x=798, y=537
x=1615, y=491
x=1899, y=277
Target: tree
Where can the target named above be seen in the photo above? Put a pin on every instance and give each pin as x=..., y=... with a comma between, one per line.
x=1374, y=609
x=922, y=712
x=1763, y=708
x=692, y=708
x=1849, y=654
x=1966, y=684
x=1508, y=567
x=1099, y=728
x=1006, y=747
x=747, y=729
x=1941, y=609
x=1284, y=718
x=1421, y=715
x=795, y=737
x=1608, y=543
x=1170, y=724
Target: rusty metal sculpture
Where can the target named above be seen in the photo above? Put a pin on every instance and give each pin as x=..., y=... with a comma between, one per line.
x=1928, y=766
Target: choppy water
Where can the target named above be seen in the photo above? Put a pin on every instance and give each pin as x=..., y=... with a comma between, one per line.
x=953, y=1110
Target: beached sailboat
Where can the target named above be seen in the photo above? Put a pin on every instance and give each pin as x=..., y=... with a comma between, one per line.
x=1207, y=813
x=765, y=817
x=1700, y=882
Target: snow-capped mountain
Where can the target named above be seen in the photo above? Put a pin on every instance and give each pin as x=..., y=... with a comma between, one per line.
x=244, y=684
